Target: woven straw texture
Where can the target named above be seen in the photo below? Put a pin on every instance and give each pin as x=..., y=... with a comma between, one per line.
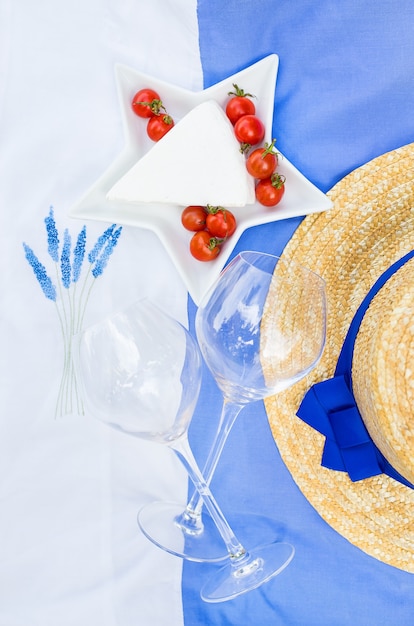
x=370, y=226
x=382, y=370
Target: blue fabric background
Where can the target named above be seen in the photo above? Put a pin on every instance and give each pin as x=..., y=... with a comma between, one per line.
x=344, y=95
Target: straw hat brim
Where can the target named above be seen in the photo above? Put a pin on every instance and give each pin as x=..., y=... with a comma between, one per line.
x=370, y=226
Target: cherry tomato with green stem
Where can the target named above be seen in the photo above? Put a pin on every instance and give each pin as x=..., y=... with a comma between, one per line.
x=193, y=218
x=249, y=131
x=220, y=222
x=239, y=105
x=204, y=247
x=269, y=191
x=146, y=103
x=158, y=126
x=262, y=162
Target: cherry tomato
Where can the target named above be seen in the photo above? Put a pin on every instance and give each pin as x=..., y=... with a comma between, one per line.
x=146, y=103
x=239, y=105
x=204, y=247
x=194, y=218
x=249, y=130
x=158, y=126
x=220, y=222
x=269, y=191
x=262, y=162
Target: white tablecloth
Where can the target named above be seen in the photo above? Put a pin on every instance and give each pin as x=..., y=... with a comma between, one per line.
x=70, y=548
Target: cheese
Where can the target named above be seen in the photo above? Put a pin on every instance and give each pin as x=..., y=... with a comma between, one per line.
x=197, y=162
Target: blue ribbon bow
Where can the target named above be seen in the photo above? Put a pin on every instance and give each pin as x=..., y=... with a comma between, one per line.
x=330, y=408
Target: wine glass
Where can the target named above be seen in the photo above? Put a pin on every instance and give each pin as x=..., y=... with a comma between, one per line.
x=261, y=328
x=140, y=372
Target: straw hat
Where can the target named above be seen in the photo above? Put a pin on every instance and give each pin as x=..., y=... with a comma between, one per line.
x=369, y=228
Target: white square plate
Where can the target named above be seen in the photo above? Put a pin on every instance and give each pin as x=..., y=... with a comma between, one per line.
x=301, y=196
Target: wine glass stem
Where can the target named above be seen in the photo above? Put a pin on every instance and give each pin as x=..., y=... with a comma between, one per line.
x=235, y=549
x=229, y=413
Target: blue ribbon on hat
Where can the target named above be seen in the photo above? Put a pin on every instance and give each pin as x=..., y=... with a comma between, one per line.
x=330, y=408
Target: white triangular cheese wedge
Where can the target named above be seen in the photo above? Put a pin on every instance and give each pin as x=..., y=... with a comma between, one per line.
x=197, y=162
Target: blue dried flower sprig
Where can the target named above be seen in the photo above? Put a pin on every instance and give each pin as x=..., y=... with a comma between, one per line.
x=98, y=247
x=79, y=255
x=65, y=265
x=52, y=236
x=110, y=244
x=70, y=301
x=39, y=270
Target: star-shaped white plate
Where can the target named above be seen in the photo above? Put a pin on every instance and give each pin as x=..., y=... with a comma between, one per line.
x=301, y=197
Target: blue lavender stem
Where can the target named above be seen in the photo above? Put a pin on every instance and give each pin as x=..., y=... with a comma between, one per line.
x=39, y=270
x=65, y=259
x=52, y=236
x=78, y=255
x=97, y=265
x=62, y=320
x=93, y=254
x=102, y=261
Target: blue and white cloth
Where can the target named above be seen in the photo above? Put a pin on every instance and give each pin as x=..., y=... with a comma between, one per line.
x=70, y=549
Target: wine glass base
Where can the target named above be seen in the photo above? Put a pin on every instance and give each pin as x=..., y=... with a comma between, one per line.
x=230, y=581
x=158, y=523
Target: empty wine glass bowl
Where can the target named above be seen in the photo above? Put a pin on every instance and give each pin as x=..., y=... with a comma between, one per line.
x=140, y=371
x=262, y=326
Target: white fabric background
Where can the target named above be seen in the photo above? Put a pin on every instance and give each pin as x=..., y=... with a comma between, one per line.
x=70, y=549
